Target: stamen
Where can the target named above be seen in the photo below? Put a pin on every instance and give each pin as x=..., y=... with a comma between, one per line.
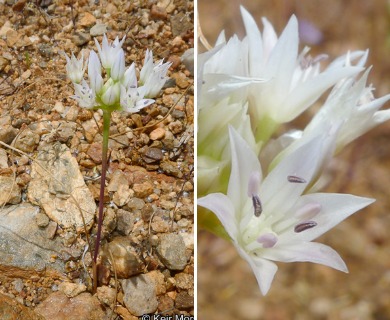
x=295, y=179
x=257, y=205
x=305, y=226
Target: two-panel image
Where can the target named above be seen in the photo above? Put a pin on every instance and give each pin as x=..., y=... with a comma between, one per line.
x=188, y=159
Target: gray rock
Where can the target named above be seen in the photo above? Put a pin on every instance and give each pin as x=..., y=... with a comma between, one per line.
x=171, y=169
x=140, y=295
x=125, y=221
x=81, y=38
x=180, y=24
x=172, y=251
x=152, y=155
x=56, y=188
x=184, y=301
x=23, y=245
x=98, y=30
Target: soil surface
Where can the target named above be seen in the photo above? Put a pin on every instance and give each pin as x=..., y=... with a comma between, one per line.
x=147, y=246
x=227, y=288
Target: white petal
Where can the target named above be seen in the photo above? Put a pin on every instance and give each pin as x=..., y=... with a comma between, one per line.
x=223, y=208
x=301, y=163
x=282, y=60
x=244, y=163
x=255, y=43
x=307, y=252
x=335, y=208
x=263, y=269
x=118, y=66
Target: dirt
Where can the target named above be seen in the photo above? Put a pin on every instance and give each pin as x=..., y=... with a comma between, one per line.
x=153, y=149
x=227, y=288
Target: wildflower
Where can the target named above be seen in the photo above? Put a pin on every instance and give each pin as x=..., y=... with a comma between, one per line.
x=268, y=71
x=272, y=219
x=111, y=86
x=108, y=52
x=153, y=76
x=75, y=68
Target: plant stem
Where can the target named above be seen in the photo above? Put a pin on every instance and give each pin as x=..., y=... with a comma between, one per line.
x=106, y=132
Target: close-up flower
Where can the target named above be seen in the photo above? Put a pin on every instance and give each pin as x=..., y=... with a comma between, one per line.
x=271, y=218
x=278, y=162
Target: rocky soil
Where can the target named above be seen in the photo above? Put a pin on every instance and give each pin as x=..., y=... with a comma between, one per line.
x=50, y=166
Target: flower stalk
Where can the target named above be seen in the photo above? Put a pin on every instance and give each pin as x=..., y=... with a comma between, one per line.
x=112, y=88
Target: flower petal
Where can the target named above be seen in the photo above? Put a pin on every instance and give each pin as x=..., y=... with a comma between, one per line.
x=334, y=209
x=307, y=252
x=223, y=208
x=244, y=163
x=263, y=269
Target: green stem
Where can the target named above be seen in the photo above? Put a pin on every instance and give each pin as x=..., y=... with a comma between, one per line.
x=106, y=132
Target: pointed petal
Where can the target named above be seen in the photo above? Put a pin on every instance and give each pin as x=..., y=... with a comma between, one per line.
x=255, y=43
x=335, y=208
x=282, y=59
x=263, y=269
x=307, y=252
x=244, y=163
x=223, y=208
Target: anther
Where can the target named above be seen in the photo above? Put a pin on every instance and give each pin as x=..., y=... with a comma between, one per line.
x=304, y=226
x=295, y=179
x=257, y=205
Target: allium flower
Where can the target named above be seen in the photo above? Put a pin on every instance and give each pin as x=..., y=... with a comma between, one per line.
x=75, y=68
x=153, y=76
x=108, y=52
x=272, y=219
x=269, y=72
x=116, y=88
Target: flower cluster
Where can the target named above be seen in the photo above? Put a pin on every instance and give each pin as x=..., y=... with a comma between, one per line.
x=262, y=188
x=119, y=89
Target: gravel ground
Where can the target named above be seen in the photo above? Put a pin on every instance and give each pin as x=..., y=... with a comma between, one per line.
x=149, y=216
x=226, y=287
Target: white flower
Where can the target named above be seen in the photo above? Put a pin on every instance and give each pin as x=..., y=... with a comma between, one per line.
x=118, y=66
x=75, y=68
x=353, y=105
x=272, y=219
x=269, y=73
x=132, y=100
x=84, y=95
x=116, y=88
x=95, y=72
x=153, y=76
x=213, y=140
x=108, y=52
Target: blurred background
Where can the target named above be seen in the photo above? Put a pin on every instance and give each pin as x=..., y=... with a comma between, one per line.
x=227, y=288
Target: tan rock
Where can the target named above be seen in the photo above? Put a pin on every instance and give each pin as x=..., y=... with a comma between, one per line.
x=59, y=307
x=57, y=184
x=87, y=20
x=157, y=134
x=10, y=309
x=72, y=289
x=9, y=190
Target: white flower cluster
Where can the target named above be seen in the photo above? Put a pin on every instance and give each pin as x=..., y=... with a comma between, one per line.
x=270, y=208
x=119, y=89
